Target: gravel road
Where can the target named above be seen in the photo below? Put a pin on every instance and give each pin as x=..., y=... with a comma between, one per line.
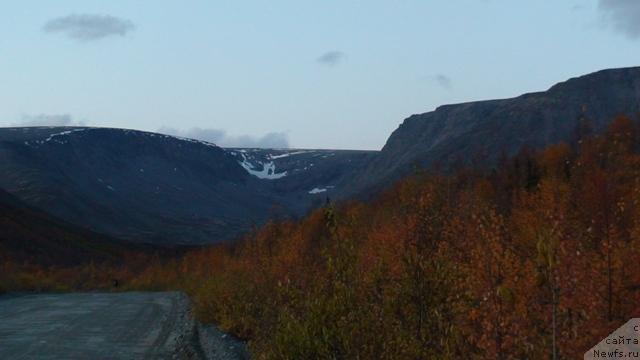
x=132, y=325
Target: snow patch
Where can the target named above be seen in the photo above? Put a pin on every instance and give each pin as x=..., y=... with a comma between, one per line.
x=53, y=137
x=201, y=142
x=273, y=157
x=317, y=190
x=194, y=141
x=268, y=171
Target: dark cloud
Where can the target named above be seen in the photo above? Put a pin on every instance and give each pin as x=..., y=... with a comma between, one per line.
x=219, y=137
x=443, y=81
x=48, y=120
x=622, y=15
x=88, y=27
x=331, y=58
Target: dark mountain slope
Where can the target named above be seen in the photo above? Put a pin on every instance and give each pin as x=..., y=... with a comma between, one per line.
x=29, y=235
x=153, y=188
x=134, y=185
x=484, y=130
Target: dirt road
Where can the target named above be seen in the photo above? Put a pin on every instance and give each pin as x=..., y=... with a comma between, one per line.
x=134, y=325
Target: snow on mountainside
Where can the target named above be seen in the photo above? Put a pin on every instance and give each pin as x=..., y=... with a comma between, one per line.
x=302, y=172
x=61, y=137
x=277, y=163
x=268, y=163
x=267, y=169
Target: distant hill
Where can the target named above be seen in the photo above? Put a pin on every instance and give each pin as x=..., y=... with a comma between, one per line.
x=153, y=188
x=483, y=131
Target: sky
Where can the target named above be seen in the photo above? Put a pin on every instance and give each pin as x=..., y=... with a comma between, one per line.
x=292, y=73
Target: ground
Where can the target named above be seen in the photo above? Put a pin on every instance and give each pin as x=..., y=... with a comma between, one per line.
x=134, y=325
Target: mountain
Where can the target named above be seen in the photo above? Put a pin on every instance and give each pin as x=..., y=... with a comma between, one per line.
x=153, y=188
x=30, y=235
x=485, y=130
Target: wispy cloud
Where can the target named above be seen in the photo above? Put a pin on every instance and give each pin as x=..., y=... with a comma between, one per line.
x=331, y=58
x=622, y=15
x=48, y=120
x=89, y=27
x=578, y=7
x=443, y=81
x=221, y=138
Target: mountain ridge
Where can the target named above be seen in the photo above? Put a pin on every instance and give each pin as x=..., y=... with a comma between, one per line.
x=149, y=187
x=482, y=131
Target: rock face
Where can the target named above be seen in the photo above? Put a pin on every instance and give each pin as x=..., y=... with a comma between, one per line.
x=153, y=188
x=482, y=131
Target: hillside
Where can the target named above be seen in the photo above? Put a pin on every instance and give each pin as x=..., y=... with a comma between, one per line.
x=483, y=131
x=30, y=236
x=153, y=188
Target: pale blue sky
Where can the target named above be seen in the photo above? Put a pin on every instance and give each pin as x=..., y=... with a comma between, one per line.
x=253, y=67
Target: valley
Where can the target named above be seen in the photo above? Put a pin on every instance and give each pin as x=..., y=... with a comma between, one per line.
x=152, y=188
x=321, y=180
x=307, y=253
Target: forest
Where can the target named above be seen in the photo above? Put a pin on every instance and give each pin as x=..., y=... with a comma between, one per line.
x=536, y=258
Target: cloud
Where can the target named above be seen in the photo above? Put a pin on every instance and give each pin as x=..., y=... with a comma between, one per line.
x=443, y=81
x=331, y=58
x=219, y=137
x=622, y=15
x=89, y=27
x=48, y=120
x=578, y=7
